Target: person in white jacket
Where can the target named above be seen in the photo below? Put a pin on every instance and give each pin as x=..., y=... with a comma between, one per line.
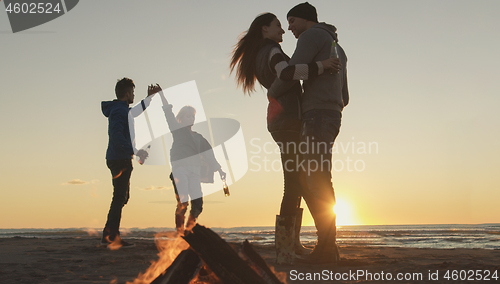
x=193, y=161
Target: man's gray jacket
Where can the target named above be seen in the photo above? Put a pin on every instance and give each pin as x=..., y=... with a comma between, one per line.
x=327, y=91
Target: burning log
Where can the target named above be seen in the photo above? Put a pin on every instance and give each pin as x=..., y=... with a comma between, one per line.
x=182, y=270
x=259, y=263
x=225, y=262
x=222, y=263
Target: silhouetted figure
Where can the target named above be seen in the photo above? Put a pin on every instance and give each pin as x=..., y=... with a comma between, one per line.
x=193, y=161
x=119, y=157
x=323, y=101
x=258, y=54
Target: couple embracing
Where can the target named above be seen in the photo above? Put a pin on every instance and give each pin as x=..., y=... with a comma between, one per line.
x=298, y=115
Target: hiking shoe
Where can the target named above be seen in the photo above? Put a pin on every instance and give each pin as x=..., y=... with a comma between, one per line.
x=105, y=241
x=118, y=244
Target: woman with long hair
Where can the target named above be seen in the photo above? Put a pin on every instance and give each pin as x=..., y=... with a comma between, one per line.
x=258, y=56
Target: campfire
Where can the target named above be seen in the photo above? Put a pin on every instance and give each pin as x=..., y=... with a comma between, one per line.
x=202, y=257
x=169, y=246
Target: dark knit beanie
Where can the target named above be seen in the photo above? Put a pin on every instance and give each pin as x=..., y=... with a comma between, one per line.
x=304, y=11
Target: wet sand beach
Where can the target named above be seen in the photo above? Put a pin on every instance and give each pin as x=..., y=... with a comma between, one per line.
x=82, y=260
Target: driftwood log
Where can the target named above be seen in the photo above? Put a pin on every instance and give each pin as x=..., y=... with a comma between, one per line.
x=223, y=260
x=259, y=263
x=184, y=268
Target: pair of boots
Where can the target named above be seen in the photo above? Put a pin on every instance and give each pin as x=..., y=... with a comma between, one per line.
x=326, y=249
x=289, y=248
x=287, y=238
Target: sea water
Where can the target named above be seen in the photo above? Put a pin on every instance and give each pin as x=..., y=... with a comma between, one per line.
x=480, y=236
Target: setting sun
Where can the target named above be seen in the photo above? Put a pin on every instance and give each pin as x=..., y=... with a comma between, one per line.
x=344, y=213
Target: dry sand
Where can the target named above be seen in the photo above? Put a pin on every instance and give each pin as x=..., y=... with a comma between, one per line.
x=81, y=260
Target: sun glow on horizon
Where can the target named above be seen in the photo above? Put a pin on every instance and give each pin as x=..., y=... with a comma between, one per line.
x=344, y=213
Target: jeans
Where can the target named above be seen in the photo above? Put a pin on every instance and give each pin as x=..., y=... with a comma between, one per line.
x=319, y=130
x=121, y=171
x=187, y=184
x=293, y=176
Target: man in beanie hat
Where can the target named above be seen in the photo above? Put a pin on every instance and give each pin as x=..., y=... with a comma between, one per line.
x=322, y=103
x=303, y=17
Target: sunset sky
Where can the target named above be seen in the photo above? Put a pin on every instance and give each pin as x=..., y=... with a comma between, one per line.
x=423, y=116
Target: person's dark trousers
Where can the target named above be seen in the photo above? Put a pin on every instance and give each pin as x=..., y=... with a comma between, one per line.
x=121, y=171
x=293, y=176
x=319, y=130
x=180, y=211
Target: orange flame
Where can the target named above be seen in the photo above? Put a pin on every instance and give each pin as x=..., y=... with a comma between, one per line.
x=118, y=175
x=282, y=276
x=205, y=276
x=168, y=250
x=116, y=244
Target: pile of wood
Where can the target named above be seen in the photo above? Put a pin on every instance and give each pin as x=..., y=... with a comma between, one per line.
x=209, y=250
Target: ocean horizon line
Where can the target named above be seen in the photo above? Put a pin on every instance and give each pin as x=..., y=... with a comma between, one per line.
x=258, y=226
x=447, y=236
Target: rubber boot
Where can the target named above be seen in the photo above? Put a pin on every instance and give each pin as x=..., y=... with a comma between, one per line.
x=298, y=247
x=284, y=239
x=326, y=249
